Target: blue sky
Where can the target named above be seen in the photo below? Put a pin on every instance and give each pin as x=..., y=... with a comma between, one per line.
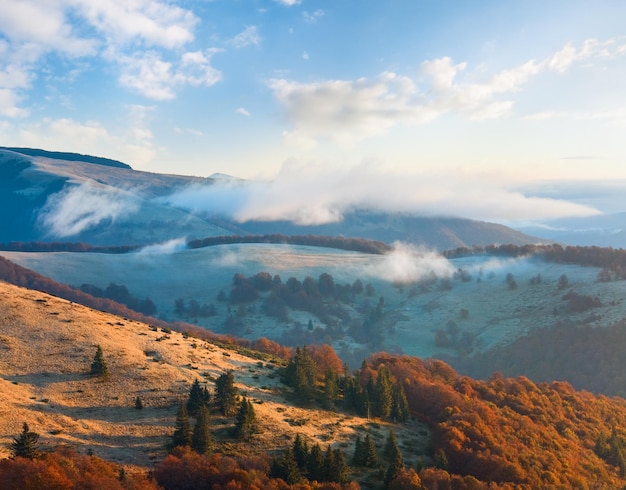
x=472, y=98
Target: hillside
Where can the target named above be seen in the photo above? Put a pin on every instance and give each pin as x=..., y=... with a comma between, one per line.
x=499, y=433
x=47, y=345
x=55, y=196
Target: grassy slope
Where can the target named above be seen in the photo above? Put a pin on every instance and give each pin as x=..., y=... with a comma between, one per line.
x=47, y=345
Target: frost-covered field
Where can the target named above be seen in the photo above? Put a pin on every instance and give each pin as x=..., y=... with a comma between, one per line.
x=482, y=307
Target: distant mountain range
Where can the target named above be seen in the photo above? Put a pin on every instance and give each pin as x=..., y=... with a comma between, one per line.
x=61, y=196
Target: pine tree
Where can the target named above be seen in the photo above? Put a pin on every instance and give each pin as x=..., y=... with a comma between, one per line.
x=285, y=467
x=388, y=450
x=245, y=421
x=301, y=375
x=358, y=458
x=370, y=455
x=201, y=441
x=198, y=397
x=301, y=451
x=315, y=464
x=329, y=463
x=382, y=392
x=99, y=366
x=399, y=404
x=183, y=433
x=331, y=388
x=339, y=471
x=25, y=445
x=226, y=393
x=396, y=464
x=138, y=403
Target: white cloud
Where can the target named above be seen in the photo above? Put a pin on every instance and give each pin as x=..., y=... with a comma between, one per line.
x=79, y=208
x=249, y=36
x=9, y=104
x=308, y=195
x=243, y=112
x=149, y=22
x=305, y=55
x=350, y=110
x=154, y=78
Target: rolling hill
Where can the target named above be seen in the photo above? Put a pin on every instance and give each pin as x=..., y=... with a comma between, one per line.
x=53, y=196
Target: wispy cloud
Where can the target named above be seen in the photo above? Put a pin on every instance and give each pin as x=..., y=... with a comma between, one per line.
x=78, y=208
x=312, y=17
x=289, y=3
x=242, y=112
x=350, y=110
x=249, y=36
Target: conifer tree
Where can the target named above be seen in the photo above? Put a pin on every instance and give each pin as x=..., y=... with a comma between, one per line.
x=138, y=403
x=399, y=405
x=396, y=464
x=183, y=433
x=340, y=468
x=201, y=441
x=25, y=445
x=285, y=467
x=245, y=422
x=301, y=375
x=331, y=388
x=226, y=393
x=329, y=463
x=315, y=464
x=198, y=397
x=358, y=457
x=99, y=366
x=390, y=442
x=301, y=452
x=370, y=455
x=382, y=399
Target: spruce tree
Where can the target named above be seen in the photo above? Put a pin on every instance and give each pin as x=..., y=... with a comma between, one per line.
x=382, y=399
x=301, y=375
x=138, y=403
x=245, y=421
x=315, y=464
x=399, y=405
x=301, y=451
x=25, y=445
x=370, y=455
x=198, y=397
x=340, y=468
x=331, y=388
x=358, y=458
x=183, y=433
x=390, y=442
x=226, y=393
x=201, y=441
x=99, y=366
x=285, y=467
x=396, y=464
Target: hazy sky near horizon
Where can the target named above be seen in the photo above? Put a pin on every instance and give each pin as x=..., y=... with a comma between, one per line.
x=505, y=92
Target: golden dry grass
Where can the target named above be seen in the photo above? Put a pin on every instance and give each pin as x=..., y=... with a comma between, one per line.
x=47, y=345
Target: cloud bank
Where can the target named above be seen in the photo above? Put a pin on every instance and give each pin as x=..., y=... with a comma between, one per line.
x=310, y=197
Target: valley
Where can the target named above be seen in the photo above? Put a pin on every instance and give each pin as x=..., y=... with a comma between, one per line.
x=433, y=306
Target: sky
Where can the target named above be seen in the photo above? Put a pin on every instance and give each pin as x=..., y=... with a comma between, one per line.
x=489, y=102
